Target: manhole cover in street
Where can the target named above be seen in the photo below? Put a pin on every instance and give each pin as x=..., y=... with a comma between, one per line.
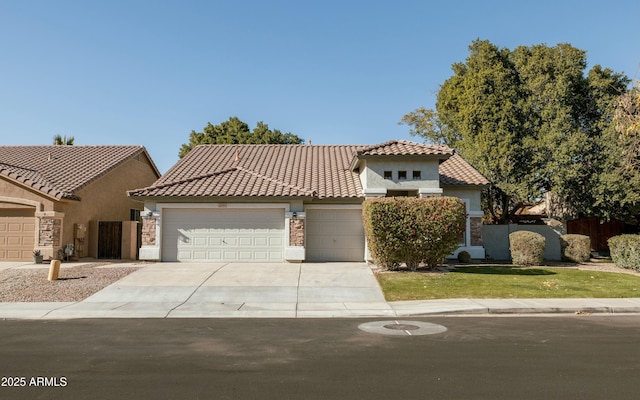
x=402, y=328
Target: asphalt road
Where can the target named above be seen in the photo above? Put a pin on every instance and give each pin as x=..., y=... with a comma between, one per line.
x=575, y=357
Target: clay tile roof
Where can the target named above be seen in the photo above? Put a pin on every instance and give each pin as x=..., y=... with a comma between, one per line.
x=405, y=148
x=264, y=170
x=60, y=171
x=261, y=170
x=456, y=171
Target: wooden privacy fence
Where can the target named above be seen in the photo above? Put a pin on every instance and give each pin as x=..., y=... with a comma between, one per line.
x=598, y=231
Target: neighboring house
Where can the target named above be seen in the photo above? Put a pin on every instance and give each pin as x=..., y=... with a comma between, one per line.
x=53, y=196
x=275, y=203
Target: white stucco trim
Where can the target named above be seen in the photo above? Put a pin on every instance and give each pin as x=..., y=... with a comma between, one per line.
x=476, y=252
x=374, y=192
x=428, y=191
x=16, y=200
x=334, y=206
x=467, y=230
x=161, y=206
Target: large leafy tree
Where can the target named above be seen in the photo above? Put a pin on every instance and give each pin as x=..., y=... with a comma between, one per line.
x=529, y=119
x=627, y=120
x=234, y=131
x=620, y=182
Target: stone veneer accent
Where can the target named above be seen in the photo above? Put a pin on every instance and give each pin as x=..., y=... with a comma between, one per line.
x=296, y=232
x=476, y=231
x=148, y=231
x=50, y=230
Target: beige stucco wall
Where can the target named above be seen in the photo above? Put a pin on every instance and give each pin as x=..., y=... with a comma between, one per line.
x=106, y=199
x=11, y=190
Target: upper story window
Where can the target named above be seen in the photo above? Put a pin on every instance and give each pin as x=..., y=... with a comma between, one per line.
x=402, y=175
x=388, y=175
x=417, y=175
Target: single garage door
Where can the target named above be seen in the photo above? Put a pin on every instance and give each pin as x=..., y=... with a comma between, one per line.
x=17, y=238
x=334, y=235
x=241, y=235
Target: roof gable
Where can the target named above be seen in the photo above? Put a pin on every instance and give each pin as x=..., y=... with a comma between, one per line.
x=60, y=171
x=405, y=148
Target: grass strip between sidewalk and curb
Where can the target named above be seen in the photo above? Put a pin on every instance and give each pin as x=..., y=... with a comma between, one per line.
x=492, y=281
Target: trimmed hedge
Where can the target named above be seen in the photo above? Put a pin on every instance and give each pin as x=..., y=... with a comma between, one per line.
x=576, y=248
x=412, y=230
x=526, y=247
x=464, y=257
x=625, y=251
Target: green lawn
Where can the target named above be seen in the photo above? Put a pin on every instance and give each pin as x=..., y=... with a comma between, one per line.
x=507, y=282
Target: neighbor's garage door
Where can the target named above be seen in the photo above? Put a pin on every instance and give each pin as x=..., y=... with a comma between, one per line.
x=334, y=235
x=17, y=236
x=223, y=235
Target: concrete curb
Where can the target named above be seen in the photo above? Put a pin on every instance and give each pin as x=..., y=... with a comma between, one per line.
x=519, y=306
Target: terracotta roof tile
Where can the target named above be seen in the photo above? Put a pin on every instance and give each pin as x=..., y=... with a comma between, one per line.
x=321, y=171
x=60, y=171
x=456, y=171
x=404, y=148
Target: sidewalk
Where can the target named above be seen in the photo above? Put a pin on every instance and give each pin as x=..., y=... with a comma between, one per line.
x=319, y=310
x=331, y=290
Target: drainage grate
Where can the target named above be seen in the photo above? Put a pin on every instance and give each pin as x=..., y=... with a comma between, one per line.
x=402, y=328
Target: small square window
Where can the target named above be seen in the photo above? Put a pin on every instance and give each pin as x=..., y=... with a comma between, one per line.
x=402, y=175
x=417, y=175
x=134, y=215
x=387, y=175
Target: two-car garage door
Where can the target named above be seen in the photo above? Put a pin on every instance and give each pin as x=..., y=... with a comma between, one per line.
x=258, y=235
x=221, y=234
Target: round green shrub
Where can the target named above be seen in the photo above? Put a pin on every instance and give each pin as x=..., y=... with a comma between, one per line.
x=575, y=248
x=412, y=230
x=625, y=251
x=526, y=247
x=464, y=257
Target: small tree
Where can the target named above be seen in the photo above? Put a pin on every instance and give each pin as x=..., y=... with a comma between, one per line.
x=413, y=230
x=59, y=140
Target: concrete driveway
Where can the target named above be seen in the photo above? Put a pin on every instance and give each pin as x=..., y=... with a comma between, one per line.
x=193, y=290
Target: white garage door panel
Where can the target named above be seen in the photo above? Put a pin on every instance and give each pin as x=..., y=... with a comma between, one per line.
x=17, y=238
x=334, y=235
x=223, y=235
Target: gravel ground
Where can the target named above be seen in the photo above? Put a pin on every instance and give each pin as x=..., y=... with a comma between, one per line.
x=74, y=283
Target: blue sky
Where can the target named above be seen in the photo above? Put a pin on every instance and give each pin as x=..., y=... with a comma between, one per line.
x=333, y=72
